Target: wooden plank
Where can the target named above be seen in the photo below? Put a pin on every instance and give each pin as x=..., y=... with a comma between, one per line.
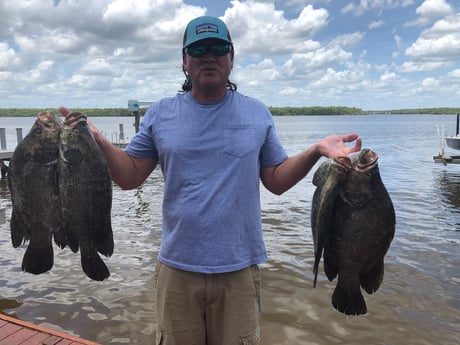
x=53, y=340
x=19, y=337
x=53, y=337
x=8, y=329
x=66, y=342
x=6, y=154
x=36, y=339
x=446, y=159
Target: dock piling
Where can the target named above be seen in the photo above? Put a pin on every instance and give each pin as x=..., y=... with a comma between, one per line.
x=19, y=134
x=121, y=133
x=2, y=139
x=2, y=215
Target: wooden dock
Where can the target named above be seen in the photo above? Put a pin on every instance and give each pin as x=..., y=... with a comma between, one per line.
x=118, y=139
x=5, y=155
x=17, y=332
x=446, y=159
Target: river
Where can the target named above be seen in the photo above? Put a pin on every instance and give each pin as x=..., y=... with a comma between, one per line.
x=418, y=302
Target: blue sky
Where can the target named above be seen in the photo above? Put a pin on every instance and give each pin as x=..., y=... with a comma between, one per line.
x=371, y=54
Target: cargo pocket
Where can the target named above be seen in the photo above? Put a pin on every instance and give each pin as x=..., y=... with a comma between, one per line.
x=156, y=273
x=251, y=339
x=239, y=140
x=257, y=285
x=159, y=337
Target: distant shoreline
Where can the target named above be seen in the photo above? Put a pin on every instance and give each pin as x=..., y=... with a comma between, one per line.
x=277, y=111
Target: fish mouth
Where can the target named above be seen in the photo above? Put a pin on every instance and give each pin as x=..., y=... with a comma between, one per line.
x=367, y=159
x=343, y=161
x=48, y=120
x=363, y=160
x=73, y=118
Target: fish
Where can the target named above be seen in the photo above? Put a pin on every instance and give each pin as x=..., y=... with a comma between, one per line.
x=33, y=183
x=353, y=224
x=85, y=187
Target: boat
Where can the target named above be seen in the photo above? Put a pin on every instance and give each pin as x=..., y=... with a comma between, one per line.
x=453, y=142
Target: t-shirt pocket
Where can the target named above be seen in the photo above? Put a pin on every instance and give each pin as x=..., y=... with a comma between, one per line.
x=239, y=140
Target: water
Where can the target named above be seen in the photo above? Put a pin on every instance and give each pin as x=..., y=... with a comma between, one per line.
x=418, y=302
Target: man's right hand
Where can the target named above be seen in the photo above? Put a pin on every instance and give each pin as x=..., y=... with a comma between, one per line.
x=64, y=110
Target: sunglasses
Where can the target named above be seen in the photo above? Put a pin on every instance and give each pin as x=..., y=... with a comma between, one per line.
x=217, y=49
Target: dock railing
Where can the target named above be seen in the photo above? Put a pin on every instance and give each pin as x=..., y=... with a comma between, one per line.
x=118, y=139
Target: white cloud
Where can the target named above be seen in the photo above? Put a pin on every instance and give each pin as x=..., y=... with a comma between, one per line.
x=434, y=8
x=441, y=42
x=374, y=5
x=398, y=39
x=347, y=40
x=388, y=76
x=431, y=10
x=258, y=25
x=8, y=58
x=300, y=65
x=412, y=66
x=89, y=53
x=376, y=24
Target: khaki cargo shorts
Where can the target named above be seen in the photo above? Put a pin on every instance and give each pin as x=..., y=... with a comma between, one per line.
x=207, y=309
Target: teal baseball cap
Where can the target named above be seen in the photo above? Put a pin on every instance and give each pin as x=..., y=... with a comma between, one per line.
x=205, y=27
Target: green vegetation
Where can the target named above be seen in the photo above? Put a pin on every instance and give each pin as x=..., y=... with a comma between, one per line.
x=24, y=112
x=316, y=111
x=330, y=110
x=418, y=111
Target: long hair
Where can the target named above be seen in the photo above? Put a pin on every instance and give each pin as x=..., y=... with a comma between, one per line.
x=187, y=85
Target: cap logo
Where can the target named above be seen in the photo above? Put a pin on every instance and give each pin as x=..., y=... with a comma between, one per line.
x=206, y=28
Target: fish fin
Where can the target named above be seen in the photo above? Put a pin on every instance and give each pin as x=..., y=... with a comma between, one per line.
x=322, y=214
x=71, y=238
x=93, y=265
x=18, y=233
x=373, y=279
x=106, y=247
x=348, y=300
x=330, y=263
x=321, y=228
x=60, y=239
x=315, y=268
x=38, y=260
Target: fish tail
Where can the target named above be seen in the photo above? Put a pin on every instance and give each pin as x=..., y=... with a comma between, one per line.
x=93, y=265
x=349, y=299
x=38, y=260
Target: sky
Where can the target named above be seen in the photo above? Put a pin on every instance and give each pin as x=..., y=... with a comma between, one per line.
x=370, y=54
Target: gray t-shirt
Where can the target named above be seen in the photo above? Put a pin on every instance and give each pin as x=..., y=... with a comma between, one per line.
x=210, y=155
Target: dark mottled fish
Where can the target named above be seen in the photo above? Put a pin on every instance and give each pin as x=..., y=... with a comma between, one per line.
x=353, y=222
x=86, y=196
x=33, y=185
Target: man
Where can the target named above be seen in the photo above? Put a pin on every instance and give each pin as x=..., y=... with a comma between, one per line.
x=214, y=145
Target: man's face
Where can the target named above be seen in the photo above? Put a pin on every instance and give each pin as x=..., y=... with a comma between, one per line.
x=208, y=72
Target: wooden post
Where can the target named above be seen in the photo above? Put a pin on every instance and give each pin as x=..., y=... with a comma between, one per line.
x=456, y=133
x=19, y=134
x=3, y=169
x=2, y=215
x=136, y=120
x=121, y=135
x=2, y=139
